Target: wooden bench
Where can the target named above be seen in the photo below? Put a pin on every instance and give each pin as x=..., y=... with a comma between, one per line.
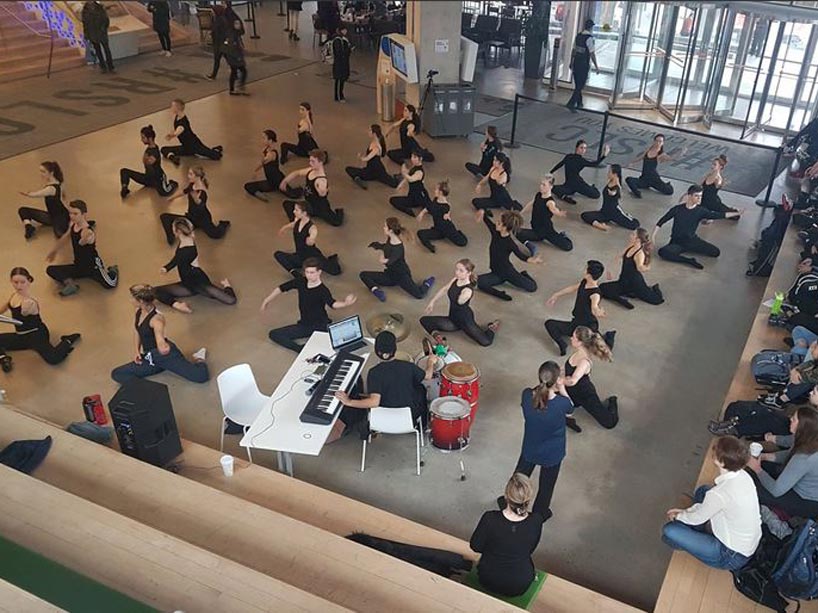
x=296, y=553
x=15, y=600
x=689, y=585
x=157, y=569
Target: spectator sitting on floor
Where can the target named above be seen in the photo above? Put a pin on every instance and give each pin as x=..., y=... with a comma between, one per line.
x=788, y=480
x=731, y=507
x=803, y=296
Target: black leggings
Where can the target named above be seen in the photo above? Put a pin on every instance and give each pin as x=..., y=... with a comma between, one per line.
x=255, y=187
x=237, y=73
x=59, y=225
x=399, y=156
x=212, y=230
x=334, y=217
x=476, y=169
x=164, y=39
x=431, y=234
x=637, y=184
x=198, y=148
x=613, y=291
x=559, y=330
x=217, y=62
x=339, y=88
x=287, y=335
x=407, y=204
x=576, y=185
x=294, y=261
x=63, y=272
x=673, y=251
x=293, y=149
x=174, y=292
x=388, y=278
x=560, y=240
x=482, y=336
x=487, y=281
x=619, y=217
x=369, y=174
x=160, y=183
x=38, y=341
x=548, y=480
x=504, y=202
x=604, y=413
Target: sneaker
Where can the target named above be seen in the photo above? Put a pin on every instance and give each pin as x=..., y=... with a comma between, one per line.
x=428, y=282
x=30, y=230
x=5, y=363
x=69, y=289
x=771, y=400
x=123, y=193
x=379, y=294
x=722, y=428
x=71, y=339
x=360, y=182
x=531, y=247
x=200, y=355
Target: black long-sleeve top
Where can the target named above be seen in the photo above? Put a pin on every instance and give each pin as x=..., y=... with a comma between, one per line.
x=502, y=247
x=574, y=163
x=190, y=275
x=686, y=221
x=395, y=257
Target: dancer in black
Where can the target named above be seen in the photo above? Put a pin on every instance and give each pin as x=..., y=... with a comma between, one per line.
x=650, y=174
x=408, y=128
x=305, y=234
x=313, y=299
x=374, y=169
x=197, y=211
x=153, y=176
x=543, y=209
x=442, y=224
x=460, y=291
x=194, y=280
x=504, y=242
x=55, y=214
x=269, y=165
x=683, y=238
x=315, y=192
x=712, y=183
x=587, y=345
x=631, y=283
x=416, y=195
x=488, y=149
x=31, y=332
x=87, y=263
x=587, y=307
x=611, y=212
x=341, y=50
x=154, y=353
x=497, y=178
x=189, y=142
x=574, y=164
x=306, y=141
x=396, y=270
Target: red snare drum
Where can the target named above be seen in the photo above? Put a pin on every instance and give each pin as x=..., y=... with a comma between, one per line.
x=461, y=379
x=450, y=421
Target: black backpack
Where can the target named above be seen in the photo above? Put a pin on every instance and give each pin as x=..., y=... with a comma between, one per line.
x=770, y=242
x=755, y=579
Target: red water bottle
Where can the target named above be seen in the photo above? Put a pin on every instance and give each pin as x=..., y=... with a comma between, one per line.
x=94, y=411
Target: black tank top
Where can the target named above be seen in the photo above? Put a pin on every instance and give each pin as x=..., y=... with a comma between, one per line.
x=417, y=190
x=610, y=199
x=55, y=207
x=147, y=339
x=403, y=130
x=374, y=163
x=542, y=219
x=29, y=323
x=650, y=165
x=155, y=169
x=272, y=171
x=582, y=389
x=582, y=306
x=487, y=159
x=300, y=239
x=311, y=194
x=629, y=271
x=710, y=194
x=458, y=312
x=85, y=256
x=306, y=141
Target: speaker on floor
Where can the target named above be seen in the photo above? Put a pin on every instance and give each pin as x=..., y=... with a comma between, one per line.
x=144, y=423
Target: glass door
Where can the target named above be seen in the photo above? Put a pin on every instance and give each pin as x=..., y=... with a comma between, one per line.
x=609, y=18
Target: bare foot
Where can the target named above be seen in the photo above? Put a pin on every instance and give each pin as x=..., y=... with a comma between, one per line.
x=183, y=307
x=600, y=226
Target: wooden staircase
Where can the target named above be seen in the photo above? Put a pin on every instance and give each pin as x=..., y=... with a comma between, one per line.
x=25, y=42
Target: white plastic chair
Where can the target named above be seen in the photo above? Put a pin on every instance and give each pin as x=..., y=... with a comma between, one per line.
x=394, y=421
x=241, y=399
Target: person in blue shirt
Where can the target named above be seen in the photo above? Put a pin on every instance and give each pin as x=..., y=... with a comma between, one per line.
x=544, y=410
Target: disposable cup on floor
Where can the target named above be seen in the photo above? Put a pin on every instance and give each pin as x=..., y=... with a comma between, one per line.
x=756, y=449
x=227, y=465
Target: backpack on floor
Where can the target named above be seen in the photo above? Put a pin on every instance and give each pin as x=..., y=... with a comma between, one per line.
x=754, y=420
x=772, y=368
x=768, y=245
x=796, y=575
x=754, y=579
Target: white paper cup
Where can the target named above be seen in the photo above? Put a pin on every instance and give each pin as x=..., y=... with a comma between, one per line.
x=227, y=465
x=756, y=449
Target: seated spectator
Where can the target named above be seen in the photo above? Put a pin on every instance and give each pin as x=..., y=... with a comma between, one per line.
x=802, y=379
x=788, y=480
x=506, y=539
x=730, y=507
x=803, y=295
x=801, y=340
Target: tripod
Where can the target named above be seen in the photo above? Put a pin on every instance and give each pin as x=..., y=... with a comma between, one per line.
x=430, y=89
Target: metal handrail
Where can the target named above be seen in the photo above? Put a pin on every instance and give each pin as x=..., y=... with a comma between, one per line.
x=50, y=36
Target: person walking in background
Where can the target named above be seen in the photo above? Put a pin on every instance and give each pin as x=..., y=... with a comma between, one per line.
x=293, y=9
x=759, y=36
x=581, y=57
x=95, y=24
x=233, y=49
x=161, y=23
x=218, y=33
x=341, y=50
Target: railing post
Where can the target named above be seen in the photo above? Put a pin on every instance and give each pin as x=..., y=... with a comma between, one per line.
x=252, y=9
x=765, y=202
x=512, y=144
x=602, y=136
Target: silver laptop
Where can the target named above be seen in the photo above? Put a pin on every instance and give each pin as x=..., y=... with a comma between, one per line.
x=347, y=334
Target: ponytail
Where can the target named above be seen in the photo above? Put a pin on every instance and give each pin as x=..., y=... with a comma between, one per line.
x=55, y=170
x=548, y=374
x=593, y=343
x=647, y=245
x=376, y=130
x=616, y=169
x=308, y=107
x=199, y=172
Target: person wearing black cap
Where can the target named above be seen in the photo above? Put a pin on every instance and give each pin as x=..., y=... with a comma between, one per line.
x=581, y=57
x=391, y=384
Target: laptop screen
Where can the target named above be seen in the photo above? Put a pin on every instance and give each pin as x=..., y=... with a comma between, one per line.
x=345, y=331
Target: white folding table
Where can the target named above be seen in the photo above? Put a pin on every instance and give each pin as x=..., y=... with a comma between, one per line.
x=278, y=427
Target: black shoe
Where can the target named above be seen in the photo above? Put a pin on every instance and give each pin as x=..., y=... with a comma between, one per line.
x=501, y=502
x=428, y=245
x=123, y=193
x=610, y=337
x=562, y=347
x=174, y=159
x=569, y=200
x=30, y=230
x=71, y=339
x=696, y=264
x=613, y=407
x=6, y=364
x=360, y=182
x=722, y=428
x=658, y=292
x=296, y=37
x=340, y=213
x=572, y=424
x=218, y=148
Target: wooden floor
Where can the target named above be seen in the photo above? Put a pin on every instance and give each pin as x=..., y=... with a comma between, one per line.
x=692, y=587
x=15, y=600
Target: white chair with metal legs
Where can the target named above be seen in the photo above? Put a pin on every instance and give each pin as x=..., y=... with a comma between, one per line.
x=241, y=399
x=394, y=421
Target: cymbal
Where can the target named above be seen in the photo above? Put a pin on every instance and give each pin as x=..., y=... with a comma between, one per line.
x=404, y=356
x=392, y=322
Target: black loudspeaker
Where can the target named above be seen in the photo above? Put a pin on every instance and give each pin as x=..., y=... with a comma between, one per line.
x=144, y=423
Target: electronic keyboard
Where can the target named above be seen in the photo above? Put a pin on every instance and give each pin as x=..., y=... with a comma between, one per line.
x=340, y=376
